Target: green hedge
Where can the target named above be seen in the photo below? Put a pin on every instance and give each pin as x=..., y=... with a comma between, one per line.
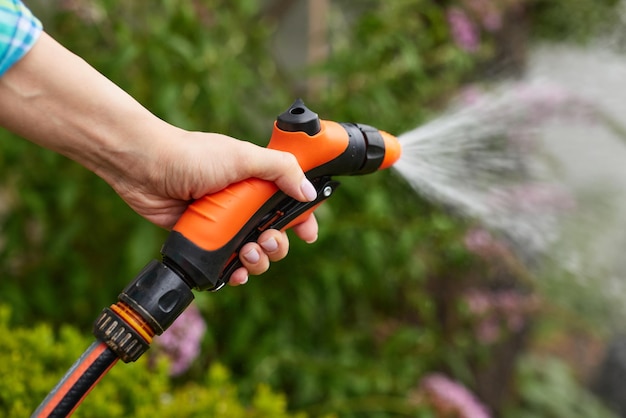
x=32, y=361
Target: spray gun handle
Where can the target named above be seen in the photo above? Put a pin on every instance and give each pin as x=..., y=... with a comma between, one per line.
x=210, y=269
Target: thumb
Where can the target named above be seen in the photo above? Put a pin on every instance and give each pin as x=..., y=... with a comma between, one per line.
x=283, y=169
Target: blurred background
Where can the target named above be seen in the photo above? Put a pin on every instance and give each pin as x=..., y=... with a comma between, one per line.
x=405, y=306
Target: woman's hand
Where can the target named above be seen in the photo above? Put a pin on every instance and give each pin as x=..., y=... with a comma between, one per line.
x=195, y=164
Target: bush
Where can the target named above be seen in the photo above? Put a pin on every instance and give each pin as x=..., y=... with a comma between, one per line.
x=32, y=360
x=573, y=20
x=547, y=388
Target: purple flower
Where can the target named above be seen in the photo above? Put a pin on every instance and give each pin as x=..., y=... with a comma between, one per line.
x=546, y=102
x=471, y=95
x=480, y=242
x=488, y=12
x=181, y=341
x=536, y=198
x=464, y=31
x=499, y=311
x=492, y=21
x=451, y=398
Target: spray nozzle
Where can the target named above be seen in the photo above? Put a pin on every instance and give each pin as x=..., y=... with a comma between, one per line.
x=380, y=150
x=327, y=148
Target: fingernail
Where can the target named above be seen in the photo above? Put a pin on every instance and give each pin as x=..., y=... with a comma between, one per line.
x=311, y=241
x=308, y=190
x=270, y=245
x=252, y=256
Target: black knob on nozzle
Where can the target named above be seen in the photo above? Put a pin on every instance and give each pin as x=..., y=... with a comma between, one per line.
x=299, y=118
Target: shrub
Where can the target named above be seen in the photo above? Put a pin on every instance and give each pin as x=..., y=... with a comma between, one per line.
x=32, y=360
x=548, y=388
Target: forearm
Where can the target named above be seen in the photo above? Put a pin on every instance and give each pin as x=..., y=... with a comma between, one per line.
x=55, y=99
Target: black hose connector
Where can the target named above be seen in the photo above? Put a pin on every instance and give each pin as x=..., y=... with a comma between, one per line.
x=158, y=294
x=156, y=297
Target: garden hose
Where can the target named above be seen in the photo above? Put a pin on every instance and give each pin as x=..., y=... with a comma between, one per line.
x=78, y=381
x=202, y=250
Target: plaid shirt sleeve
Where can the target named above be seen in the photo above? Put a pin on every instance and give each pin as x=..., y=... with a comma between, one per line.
x=19, y=30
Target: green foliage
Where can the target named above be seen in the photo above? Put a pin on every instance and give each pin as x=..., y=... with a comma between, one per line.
x=200, y=65
x=548, y=389
x=59, y=231
x=32, y=360
x=394, y=65
x=572, y=20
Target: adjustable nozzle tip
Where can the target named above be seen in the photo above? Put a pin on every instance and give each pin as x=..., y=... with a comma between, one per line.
x=393, y=150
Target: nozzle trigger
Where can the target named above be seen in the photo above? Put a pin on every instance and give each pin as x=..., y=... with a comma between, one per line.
x=280, y=217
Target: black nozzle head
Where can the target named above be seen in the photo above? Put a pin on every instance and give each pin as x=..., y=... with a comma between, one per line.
x=299, y=118
x=375, y=148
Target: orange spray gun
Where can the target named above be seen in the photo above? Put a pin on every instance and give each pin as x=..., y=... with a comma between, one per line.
x=202, y=250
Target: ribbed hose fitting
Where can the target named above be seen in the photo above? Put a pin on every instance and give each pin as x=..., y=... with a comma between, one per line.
x=120, y=336
x=147, y=306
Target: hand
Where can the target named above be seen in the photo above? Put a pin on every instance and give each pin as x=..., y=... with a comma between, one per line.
x=183, y=166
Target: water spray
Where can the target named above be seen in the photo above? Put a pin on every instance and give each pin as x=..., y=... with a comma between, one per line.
x=482, y=160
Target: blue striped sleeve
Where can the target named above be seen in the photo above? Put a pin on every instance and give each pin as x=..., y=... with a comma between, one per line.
x=19, y=30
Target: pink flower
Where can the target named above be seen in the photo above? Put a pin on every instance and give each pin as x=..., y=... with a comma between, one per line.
x=471, y=95
x=464, y=31
x=492, y=21
x=535, y=198
x=480, y=242
x=499, y=311
x=547, y=102
x=181, y=341
x=489, y=12
x=451, y=397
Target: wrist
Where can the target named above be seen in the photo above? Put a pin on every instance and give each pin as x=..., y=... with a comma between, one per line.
x=130, y=151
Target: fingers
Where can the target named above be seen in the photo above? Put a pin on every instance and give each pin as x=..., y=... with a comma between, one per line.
x=283, y=169
x=272, y=245
x=307, y=230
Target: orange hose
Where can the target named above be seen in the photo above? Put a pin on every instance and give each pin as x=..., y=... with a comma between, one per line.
x=62, y=400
